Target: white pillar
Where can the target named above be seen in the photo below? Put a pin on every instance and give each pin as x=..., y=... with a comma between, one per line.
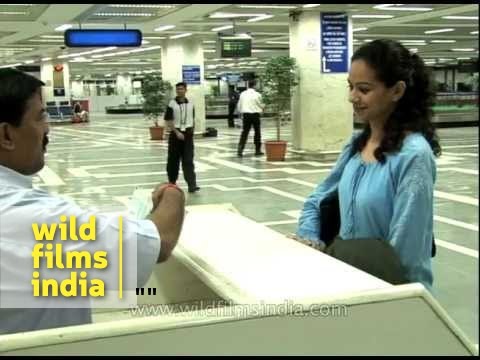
x=186, y=51
x=76, y=89
x=322, y=117
x=47, y=73
x=124, y=85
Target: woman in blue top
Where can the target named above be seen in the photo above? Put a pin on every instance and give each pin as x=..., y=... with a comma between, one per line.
x=385, y=175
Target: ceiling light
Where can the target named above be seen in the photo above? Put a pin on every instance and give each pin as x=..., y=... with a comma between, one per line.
x=154, y=37
x=13, y=13
x=310, y=5
x=81, y=59
x=124, y=14
x=52, y=36
x=442, y=41
x=209, y=51
x=460, y=17
x=46, y=59
x=474, y=32
x=121, y=63
x=10, y=65
x=267, y=6
x=372, y=16
x=144, y=42
x=180, y=36
x=145, y=49
x=259, y=18
x=463, y=49
x=103, y=49
x=222, y=15
x=464, y=58
x=46, y=40
x=209, y=41
x=29, y=61
x=243, y=36
x=360, y=29
x=438, y=31
x=397, y=7
x=413, y=50
x=63, y=27
x=222, y=28
x=278, y=42
x=142, y=6
x=164, y=27
x=14, y=49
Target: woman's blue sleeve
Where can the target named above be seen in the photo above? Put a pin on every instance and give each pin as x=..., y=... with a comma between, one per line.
x=309, y=222
x=411, y=227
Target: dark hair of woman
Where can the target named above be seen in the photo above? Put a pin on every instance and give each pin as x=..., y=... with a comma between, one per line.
x=392, y=62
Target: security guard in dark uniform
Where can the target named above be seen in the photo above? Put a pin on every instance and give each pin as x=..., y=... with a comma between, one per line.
x=180, y=118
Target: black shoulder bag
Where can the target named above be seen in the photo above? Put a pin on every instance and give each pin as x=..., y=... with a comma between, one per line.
x=330, y=220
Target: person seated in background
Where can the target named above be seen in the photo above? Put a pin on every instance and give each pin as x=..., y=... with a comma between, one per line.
x=385, y=175
x=79, y=115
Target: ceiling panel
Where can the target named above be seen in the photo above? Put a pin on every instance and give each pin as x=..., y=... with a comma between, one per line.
x=19, y=12
x=34, y=32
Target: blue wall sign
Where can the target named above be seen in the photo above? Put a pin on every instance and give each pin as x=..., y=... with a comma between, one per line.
x=334, y=42
x=191, y=74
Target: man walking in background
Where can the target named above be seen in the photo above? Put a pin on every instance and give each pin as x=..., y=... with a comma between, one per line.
x=250, y=105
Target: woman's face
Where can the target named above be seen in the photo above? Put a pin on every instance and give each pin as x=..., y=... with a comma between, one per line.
x=372, y=101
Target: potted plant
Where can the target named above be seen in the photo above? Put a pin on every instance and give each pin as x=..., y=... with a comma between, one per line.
x=278, y=81
x=156, y=94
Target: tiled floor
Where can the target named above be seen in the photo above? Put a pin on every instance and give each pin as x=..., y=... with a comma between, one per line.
x=100, y=164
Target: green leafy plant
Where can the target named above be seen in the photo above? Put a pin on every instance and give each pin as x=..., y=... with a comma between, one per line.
x=215, y=90
x=279, y=81
x=156, y=94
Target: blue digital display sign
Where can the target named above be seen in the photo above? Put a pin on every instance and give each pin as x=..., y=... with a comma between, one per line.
x=334, y=39
x=191, y=74
x=98, y=38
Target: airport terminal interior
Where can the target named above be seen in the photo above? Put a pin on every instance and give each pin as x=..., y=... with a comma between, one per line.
x=100, y=162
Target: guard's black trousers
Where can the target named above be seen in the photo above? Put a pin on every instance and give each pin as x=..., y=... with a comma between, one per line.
x=181, y=150
x=231, y=114
x=249, y=120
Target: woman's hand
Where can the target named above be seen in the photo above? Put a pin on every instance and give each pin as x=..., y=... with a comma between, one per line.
x=320, y=246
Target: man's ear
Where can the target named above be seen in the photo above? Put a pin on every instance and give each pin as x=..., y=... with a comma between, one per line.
x=399, y=90
x=6, y=142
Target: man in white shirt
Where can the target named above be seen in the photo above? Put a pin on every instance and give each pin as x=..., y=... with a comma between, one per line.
x=180, y=118
x=23, y=141
x=250, y=105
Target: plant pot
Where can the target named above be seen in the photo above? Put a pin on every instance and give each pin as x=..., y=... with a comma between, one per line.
x=276, y=150
x=156, y=133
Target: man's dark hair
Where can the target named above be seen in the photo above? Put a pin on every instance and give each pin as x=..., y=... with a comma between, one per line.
x=181, y=84
x=16, y=88
x=251, y=83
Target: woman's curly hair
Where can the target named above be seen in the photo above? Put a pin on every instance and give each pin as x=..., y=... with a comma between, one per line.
x=392, y=62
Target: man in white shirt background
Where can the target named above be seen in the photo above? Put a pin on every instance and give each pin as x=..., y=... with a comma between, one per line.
x=250, y=105
x=23, y=141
